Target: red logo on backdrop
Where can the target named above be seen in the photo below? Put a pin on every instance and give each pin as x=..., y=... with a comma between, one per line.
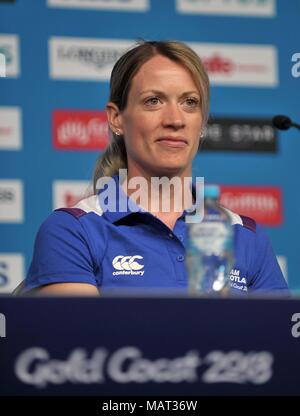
x=263, y=204
x=5, y=131
x=80, y=130
x=217, y=63
x=70, y=199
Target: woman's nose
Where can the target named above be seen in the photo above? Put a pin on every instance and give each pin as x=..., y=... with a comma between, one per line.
x=173, y=117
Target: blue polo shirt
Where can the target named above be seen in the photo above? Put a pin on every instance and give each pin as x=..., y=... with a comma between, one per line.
x=136, y=251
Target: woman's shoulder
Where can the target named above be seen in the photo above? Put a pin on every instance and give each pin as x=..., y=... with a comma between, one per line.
x=72, y=215
x=247, y=223
x=73, y=223
x=85, y=206
x=248, y=230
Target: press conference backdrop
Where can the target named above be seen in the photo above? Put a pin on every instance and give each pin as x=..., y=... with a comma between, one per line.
x=55, y=61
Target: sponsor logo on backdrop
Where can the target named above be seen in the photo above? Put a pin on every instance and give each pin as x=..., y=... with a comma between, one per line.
x=11, y=200
x=2, y=65
x=11, y=271
x=66, y=194
x=80, y=130
x=296, y=66
x=239, y=134
x=9, y=48
x=10, y=128
x=264, y=8
x=264, y=204
x=84, y=58
x=232, y=64
x=119, y=5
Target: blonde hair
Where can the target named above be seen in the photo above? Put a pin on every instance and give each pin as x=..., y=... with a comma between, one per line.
x=115, y=157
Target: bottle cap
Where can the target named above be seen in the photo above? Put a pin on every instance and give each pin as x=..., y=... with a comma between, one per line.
x=212, y=191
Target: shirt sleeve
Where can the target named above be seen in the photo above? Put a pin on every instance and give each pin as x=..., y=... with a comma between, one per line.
x=267, y=276
x=61, y=253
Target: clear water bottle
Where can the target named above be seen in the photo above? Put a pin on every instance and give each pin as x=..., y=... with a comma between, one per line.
x=210, y=248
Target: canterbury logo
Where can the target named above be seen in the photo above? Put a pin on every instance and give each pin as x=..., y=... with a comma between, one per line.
x=128, y=265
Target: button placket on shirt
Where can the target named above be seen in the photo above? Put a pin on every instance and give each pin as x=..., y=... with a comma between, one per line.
x=172, y=236
x=175, y=248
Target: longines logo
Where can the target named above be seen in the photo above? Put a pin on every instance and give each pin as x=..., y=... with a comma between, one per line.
x=84, y=58
x=2, y=326
x=99, y=57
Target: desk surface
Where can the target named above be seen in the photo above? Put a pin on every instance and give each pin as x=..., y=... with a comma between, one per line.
x=149, y=346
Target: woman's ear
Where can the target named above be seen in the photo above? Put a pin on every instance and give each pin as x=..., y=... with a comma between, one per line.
x=114, y=118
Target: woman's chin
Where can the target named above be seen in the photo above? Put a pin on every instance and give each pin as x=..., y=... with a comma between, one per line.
x=171, y=169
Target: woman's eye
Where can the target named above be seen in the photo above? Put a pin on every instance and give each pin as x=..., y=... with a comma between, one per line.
x=192, y=102
x=152, y=101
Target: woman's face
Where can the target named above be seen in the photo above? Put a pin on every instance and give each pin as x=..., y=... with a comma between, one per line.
x=162, y=120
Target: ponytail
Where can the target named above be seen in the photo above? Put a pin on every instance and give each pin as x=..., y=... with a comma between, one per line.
x=113, y=159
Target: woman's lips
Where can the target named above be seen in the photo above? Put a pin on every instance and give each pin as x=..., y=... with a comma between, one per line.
x=172, y=142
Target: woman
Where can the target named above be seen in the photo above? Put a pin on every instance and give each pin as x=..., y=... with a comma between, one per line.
x=159, y=100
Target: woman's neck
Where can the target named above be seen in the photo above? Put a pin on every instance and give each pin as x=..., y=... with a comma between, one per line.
x=165, y=197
